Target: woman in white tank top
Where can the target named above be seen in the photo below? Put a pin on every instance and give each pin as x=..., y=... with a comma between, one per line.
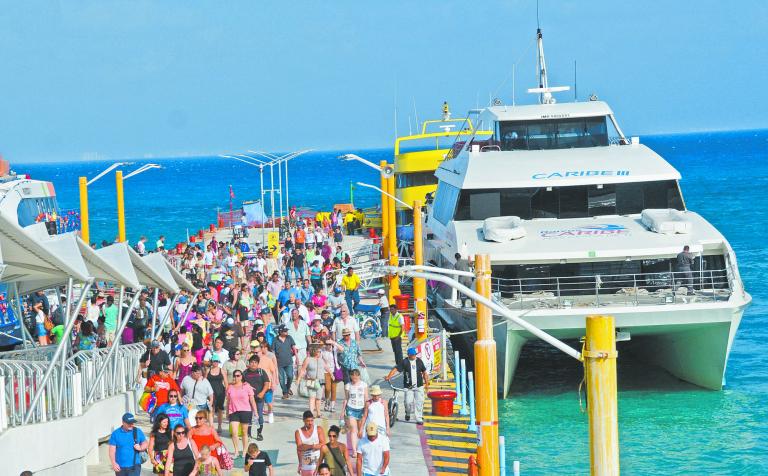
x=375, y=411
x=309, y=441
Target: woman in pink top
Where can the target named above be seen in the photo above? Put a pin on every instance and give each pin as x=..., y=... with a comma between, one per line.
x=318, y=300
x=241, y=407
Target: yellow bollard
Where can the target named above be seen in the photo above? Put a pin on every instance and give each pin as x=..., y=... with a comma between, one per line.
x=394, y=284
x=84, y=230
x=419, y=284
x=120, y=206
x=486, y=392
x=600, y=373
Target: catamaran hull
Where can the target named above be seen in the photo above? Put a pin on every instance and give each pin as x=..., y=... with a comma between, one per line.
x=692, y=342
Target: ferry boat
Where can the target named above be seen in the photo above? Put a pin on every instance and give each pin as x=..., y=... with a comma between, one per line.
x=417, y=156
x=26, y=202
x=578, y=219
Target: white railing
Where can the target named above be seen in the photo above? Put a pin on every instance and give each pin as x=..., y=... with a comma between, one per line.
x=615, y=289
x=62, y=398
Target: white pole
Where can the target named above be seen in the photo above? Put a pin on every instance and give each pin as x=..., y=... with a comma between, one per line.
x=444, y=352
x=263, y=208
x=513, y=316
x=280, y=184
x=287, y=207
x=272, y=191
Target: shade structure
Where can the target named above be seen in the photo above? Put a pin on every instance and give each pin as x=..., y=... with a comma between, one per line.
x=180, y=279
x=111, y=264
x=33, y=259
x=152, y=271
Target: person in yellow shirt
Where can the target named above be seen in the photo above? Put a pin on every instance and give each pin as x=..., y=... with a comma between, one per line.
x=351, y=285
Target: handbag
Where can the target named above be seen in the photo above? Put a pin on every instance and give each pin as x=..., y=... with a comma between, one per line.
x=303, y=390
x=225, y=458
x=338, y=375
x=143, y=455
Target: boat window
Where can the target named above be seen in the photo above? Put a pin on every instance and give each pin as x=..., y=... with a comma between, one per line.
x=552, y=134
x=416, y=179
x=568, y=202
x=601, y=200
x=445, y=202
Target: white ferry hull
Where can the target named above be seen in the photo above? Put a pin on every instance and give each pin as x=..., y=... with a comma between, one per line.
x=691, y=341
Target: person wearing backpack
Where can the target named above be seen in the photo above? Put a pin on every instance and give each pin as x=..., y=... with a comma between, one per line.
x=126, y=445
x=258, y=379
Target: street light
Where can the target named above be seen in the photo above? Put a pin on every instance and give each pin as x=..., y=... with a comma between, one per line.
x=83, y=183
x=121, y=199
x=367, y=185
x=260, y=164
x=278, y=160
x=357, y=158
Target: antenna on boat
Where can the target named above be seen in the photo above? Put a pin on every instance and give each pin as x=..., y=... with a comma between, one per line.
x=575, y=84
x=544, y=91
x=415, y=113
x=513, y=84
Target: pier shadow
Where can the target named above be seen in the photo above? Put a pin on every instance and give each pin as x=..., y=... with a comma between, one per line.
x=545, y=370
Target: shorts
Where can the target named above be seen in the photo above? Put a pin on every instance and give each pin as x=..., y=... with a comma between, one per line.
x=268, y=397
x=241, y=417
x=356, y=413
x=41, y=332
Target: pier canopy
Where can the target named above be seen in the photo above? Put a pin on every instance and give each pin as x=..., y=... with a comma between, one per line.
x=181, y=281
x=153, y=272
x=31, y=258
x=111, y=264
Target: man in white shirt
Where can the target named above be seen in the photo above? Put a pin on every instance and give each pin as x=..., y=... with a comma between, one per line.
x=299, y=331
x=198, y=391
x=93, y=311
x=208, y=257
x=345, y=321
x=141, y=248
x=218, y=350
x=372, y=452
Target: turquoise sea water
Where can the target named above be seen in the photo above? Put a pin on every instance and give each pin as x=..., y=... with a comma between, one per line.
x=666, y=426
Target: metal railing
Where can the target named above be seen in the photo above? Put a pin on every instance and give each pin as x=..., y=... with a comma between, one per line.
x=614, y=289
x=20, y=379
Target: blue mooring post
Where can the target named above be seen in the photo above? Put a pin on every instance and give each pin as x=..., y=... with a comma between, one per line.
x=457, y=377
x=472, y=420
x=464, y=410
x=502, y=456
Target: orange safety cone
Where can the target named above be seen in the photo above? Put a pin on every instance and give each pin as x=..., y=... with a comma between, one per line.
x=472, y=466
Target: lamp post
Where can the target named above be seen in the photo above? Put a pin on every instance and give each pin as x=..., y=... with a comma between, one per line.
x=280, y=159
x=121, y=198
x=85, y=232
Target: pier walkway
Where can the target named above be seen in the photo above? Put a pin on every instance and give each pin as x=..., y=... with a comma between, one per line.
x=407, y=457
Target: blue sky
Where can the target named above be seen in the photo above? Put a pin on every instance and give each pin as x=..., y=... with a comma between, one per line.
x=136, y=78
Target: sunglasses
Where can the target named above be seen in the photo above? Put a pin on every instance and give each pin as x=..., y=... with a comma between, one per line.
x=237, y=375
x=179, y=433
x=173, y=396
x=332, y=435
x=199, y=418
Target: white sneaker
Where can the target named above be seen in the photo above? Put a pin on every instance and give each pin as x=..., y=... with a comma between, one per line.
x=271, y=418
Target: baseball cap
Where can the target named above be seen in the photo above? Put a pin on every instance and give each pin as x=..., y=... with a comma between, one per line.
x=412, y=351
x=215, y=358
x=337, y=290
x=371, y=429
x=129, y=418
x=255, y=344
x=258, y=322
x=375, y=390
x=155, y=344
x=381, y=292
x=230, y=321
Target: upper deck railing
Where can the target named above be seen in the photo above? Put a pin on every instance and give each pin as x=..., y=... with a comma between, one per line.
x=640, y=289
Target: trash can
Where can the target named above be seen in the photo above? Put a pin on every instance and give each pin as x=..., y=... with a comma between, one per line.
x=442, y=402
x=401, y=302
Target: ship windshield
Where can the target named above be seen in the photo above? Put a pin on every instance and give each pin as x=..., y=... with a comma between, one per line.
x=566, y=133
x=565, y=202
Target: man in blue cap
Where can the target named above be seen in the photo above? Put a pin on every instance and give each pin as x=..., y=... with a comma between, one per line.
x=415, y=381
x=125, y=445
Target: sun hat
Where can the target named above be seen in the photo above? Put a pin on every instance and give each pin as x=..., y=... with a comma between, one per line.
x=215, y=358
x=255, y=343
x=375, y=390
x=346, y=332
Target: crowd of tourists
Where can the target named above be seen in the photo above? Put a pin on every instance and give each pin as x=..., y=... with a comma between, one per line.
x=262, y=330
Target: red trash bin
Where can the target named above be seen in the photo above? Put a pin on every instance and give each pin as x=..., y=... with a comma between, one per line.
x=442, y=402
x=401, y=302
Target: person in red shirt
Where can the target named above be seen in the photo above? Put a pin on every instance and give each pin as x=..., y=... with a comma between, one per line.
x=162, y=383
